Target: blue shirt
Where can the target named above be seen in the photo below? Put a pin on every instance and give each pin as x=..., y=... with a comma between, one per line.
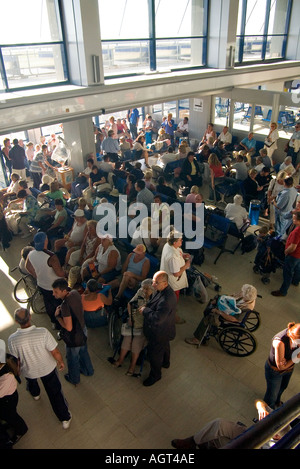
x=250, y=144
x=110, y=145
x=133, y=117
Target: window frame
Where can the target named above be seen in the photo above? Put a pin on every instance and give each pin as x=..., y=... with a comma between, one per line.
x=240, y=38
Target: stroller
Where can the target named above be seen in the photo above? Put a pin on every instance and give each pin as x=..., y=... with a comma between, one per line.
x=265, y=261
x=198, y=282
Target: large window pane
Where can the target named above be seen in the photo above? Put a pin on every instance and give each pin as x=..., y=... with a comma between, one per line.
x=179, y=18
x=122, y=57
x=277, y=18
x=222, y=111
x=33, y=65
x=29, y=21
x=179, y=53
x=242, y=116
x=120, y=19
x=255, y=17
x=253, y=48
x=274, y=47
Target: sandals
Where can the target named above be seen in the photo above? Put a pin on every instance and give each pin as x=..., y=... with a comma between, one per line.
x=192, y=341
x=129, y=373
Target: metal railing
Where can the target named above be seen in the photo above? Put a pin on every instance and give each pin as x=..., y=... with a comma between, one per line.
x=263, y=431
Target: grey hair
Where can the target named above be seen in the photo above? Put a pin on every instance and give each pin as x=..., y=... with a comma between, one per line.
x=147, y=283
x=249, y=292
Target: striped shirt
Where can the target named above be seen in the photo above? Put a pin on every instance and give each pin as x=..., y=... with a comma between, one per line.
x=33, y=346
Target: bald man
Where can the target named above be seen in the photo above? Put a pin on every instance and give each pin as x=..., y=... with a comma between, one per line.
x=159, y=326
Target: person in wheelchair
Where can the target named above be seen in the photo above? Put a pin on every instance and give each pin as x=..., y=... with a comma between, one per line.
x=133, y=338
x=93, y=303
x=227, y=308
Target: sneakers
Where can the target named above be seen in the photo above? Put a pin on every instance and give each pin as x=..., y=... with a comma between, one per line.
x=66, y=423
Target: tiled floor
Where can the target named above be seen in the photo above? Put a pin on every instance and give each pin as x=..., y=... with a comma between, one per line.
x=114, y=411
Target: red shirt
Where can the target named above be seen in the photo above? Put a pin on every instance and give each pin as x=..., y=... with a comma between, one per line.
x=217, y=170
x=294, y=238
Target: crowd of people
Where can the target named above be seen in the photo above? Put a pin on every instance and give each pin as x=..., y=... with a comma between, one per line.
x=80, y=271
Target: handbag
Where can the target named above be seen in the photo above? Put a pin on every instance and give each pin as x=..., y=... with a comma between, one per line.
x=127, y=330
x=268, y=144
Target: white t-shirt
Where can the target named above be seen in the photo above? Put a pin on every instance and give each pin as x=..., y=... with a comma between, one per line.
x=171, y=262
x=236, y=213
x=33, y=346
x=225, y=138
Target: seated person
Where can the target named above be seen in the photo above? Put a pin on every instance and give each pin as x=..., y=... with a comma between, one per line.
x=221, y=152
x=190, y=171
x=119, y=171
x=259, y=164
x=167, y=157
x=125, y=146
x=225, y=137
x=97, y=177
x=105, y=265
x=132, y=331
x=209, y=132
x=163, y=188
x=54, y=221
x=263, y=153
x=82, y=180
x=79, y=258
x=93, y=303
x=192, y=195
x=235, y=212
x=11, y=191
x=141, y=150
x=143, y=196
x=105, y=165
x=75, y=236
x=264, y=178
x=28, y=214
x=57, y=193
x=203, y=153
x=148, y=181
x=143, y=235
x=134, y=271
x=242, y=301
x=24, y=253
x=135, y=170
x=85, y=206
x=248, y=146
x=129, y=189
x=240, y=168
x=182, y=129
x=45, y=184
x=287, y=165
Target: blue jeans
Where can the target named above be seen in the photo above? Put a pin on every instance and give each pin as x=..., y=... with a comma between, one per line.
x=79, y=361
x=291, y=273
x=53, y=389
x=276, y=384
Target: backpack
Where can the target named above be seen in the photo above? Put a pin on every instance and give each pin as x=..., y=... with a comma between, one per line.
x=249, y=243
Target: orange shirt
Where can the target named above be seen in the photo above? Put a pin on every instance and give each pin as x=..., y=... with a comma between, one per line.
x=92, y=305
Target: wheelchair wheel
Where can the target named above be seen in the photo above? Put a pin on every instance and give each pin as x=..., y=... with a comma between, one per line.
x=252, y=321
x=24, y=289
x=237, y=341
x=37, y=303
x=114, y=329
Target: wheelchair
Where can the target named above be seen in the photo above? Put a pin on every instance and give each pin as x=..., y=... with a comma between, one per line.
x=235, y=338
x=27, y=291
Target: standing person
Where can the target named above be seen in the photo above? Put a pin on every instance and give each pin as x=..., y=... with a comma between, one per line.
x=44, y=266
x=17, y=156
x=293, y=144
x=275, y=186
x=9, y=395
x=284, y=204
x=70, y=316
x=159, y=326
x=175, y=263
x=271, y=141
x=133, y=119
x=291, y=266
x=37, y=168
x=110, y=146
x=280, y=363
x=29, y=153
x=37, y=351
x=5, y=152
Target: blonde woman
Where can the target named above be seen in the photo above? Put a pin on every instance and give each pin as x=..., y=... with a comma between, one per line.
x=271, y=141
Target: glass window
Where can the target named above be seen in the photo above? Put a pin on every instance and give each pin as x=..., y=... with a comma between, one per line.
x=180, y=18
x=262, y=29
x=125, y=57
x=242, y=116
x=31, y=44
x=184, y=108
x=170, y=107
x=121, y=19
x=222, y=111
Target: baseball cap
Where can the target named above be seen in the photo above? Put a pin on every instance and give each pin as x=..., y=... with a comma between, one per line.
x=140, y=249
x=39, y=241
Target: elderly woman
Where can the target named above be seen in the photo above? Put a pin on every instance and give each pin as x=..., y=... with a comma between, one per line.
x=105, y=265
x=244, y=300
x=134, y=270
x=190, y=171
x=271, y=141
x=93, y=303
x=87, y=250
x=132, y=332
x=175, y=263
x=280, y=364
x=235, y=212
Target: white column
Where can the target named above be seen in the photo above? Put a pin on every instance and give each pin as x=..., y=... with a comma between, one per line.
x=80, y=139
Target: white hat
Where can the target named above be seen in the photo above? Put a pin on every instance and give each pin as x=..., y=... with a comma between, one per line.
x=79, y=213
